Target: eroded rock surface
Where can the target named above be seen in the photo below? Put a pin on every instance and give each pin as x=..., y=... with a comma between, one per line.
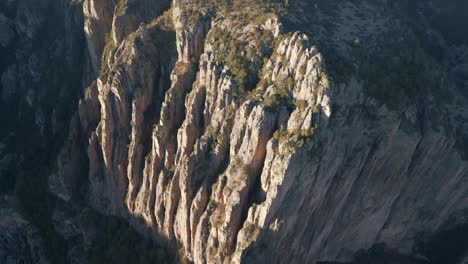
x=252, y=146
x=260, y=131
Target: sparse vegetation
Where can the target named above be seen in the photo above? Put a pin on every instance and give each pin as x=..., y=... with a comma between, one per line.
x=194, y=15
x=280, y=97
x=108, y=50
x=212, y=143
x=165, y=21
x=315, y=108
x=294, y=139
x=236, y=54
x=324, y=79
x=243, y=52
x=300, y=104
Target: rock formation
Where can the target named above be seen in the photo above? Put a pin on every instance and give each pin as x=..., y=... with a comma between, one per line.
x=265, y=131
x=248, y=150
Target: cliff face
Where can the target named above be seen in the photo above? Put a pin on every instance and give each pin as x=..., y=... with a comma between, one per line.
x=258, y=131
x=240, y=146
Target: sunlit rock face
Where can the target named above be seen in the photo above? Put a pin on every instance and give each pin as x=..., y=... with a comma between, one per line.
x=260, y=131
x=236, y=144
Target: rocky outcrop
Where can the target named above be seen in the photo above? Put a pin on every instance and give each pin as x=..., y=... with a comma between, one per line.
x=325, y=191
x=97, y=25
x=196, y=188
x=248, y=139
x=190, y=34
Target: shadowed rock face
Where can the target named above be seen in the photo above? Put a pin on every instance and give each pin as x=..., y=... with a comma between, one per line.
x=20, y=241
x=259, y=132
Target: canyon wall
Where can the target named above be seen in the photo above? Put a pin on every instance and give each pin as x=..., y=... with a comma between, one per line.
x=226, y=136
x=237, y=131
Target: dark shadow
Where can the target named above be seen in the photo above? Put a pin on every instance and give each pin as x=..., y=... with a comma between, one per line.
x=447, y=246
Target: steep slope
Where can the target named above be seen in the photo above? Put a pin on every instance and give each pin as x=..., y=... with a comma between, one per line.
x=185, y=182
x=44, y=67
x=255, y=153
x=238, y=131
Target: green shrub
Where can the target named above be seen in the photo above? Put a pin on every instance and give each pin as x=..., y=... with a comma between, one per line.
x=281, y=134
x=280, y=97
x=242, y=54
x=300, y=104
x=271, y=103
x=295, y=139
x=315, y=108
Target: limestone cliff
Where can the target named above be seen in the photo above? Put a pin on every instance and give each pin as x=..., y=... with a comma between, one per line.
x=268, y=131
x=240, y=146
